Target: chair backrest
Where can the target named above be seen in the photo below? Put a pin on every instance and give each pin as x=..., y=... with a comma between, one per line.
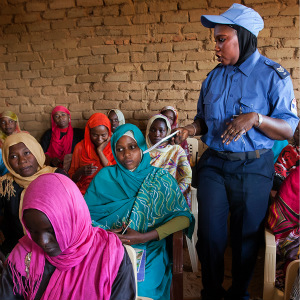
x=132, y=256
x=193, y=148
x=291, y=275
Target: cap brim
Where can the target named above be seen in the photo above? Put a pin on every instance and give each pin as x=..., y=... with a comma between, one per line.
x=210, y=21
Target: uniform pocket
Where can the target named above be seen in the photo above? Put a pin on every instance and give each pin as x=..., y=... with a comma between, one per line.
x=254, y=104
x=212, y=105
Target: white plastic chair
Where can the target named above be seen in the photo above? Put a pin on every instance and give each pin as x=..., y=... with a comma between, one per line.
x=132, y=255
x=193, y=147
x=270, y=291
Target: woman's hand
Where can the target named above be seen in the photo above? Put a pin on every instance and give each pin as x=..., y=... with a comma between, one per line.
x=133, y=237
x=180, y=136
x=103, y=145
x=55, y=161
x=239, y=126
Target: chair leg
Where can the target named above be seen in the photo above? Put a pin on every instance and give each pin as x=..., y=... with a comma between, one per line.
x=177, y=280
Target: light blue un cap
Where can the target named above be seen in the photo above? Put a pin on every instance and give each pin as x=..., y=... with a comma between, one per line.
x=237, y=14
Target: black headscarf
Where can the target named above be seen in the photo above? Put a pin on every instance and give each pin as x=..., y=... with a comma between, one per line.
x=247, y=43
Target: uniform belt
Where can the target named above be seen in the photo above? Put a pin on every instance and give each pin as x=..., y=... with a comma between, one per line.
x=232, y=156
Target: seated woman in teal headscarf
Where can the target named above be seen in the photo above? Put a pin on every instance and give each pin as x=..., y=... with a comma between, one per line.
x=145, y=197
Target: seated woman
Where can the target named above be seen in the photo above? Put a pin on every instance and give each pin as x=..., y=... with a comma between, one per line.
x=93, y=152
x=116, y=119
x=283, y=220
x=63, y=256
x=148, y=199
x=287, y=161
x=61, y=139
x=171, y=113
x=9, y=124
x=25, y=160
x=169, y=157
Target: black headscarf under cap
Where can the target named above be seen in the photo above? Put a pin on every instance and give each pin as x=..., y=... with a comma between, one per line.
x=247, y=43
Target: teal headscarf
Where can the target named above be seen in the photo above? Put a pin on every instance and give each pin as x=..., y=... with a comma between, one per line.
x=149, y=196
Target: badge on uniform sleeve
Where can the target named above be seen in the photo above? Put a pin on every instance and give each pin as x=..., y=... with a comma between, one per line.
x=294, y=106
x=281, y=71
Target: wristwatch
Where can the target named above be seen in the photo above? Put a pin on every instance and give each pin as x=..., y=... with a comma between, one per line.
x=260, y=120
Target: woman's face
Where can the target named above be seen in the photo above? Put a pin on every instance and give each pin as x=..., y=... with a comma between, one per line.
x=22, y=161
x=61, y=119
x=41, y=231
x=99, y=135
x=8, y=125
x=128, y=152
x=158, y=130
x=114, y=121
x=227, y=45
x=170, y=115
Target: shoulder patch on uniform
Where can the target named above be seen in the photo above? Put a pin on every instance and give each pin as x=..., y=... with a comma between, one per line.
x=217, y=66
x=281, y=71
x=294, y=106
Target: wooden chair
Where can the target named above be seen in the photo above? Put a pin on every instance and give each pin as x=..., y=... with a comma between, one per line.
x=270, y=292
x=177, y=279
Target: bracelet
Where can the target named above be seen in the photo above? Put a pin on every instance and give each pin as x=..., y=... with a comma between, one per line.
x=260, y=120
x=195, y=129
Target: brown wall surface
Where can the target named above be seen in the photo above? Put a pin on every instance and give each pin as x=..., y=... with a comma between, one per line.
x=134, y=55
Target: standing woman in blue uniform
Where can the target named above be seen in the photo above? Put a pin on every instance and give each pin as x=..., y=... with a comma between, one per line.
x=245, y=104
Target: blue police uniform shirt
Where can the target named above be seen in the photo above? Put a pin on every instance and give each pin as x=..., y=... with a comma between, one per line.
x=255, y=86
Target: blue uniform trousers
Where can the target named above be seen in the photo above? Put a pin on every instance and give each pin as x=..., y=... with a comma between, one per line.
x=242, y=189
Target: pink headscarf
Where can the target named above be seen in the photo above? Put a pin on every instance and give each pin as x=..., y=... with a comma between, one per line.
x=90, y=258
x=175, y=124
x=59, y=147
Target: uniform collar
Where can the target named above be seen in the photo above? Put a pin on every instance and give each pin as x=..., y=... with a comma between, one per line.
x=248, y=65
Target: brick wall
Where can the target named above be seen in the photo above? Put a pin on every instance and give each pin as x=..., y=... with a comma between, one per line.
x=135, y=55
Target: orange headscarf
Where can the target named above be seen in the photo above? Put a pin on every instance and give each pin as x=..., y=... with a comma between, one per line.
x=89, y=155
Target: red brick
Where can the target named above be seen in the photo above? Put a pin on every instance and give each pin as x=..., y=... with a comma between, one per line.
x=13, y=66
x=161, y=6
x=103, y=68
x=86, y=3
x=65, y=80
x=79, y=88
x=63, y=24
x=145, y=19
x=52, y=54
x=175, y=76
x=111, y=86
x=36, y=6
x=155, y=66
x=54, y=14
x=119, y=77
x=90, y=22
x=58, y=4
x=116, y=58
x=88, y=78
x=17, y=83
x=175, y=17
x=145, y=76
x=109, y=21
x=78, y=52
x=19, y=28
x=53, y=90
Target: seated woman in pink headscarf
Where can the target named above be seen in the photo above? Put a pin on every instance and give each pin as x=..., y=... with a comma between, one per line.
x=171, y=113
x=63, y=256
x=61, y=139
